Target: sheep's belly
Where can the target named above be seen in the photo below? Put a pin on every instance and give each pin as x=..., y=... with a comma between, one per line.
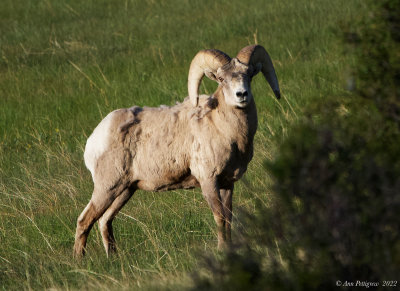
x=186, y=182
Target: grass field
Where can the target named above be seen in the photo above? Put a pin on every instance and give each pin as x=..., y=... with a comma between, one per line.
x=65, y=64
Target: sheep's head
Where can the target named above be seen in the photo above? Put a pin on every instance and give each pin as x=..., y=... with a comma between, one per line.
x=235, y=78
x=233, y=75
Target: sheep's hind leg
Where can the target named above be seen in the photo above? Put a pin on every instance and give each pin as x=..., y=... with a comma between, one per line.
x=105, y=222
x=110, y=182
x=98, y=204
x=88, y=217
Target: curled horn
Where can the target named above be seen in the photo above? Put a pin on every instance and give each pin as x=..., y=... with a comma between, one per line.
x=205, y=62
x=257, y=56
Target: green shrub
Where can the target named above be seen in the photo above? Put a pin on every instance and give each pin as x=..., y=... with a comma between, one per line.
x=338, y=183
x=376, y=42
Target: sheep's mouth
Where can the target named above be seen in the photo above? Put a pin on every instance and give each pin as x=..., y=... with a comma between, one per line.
x=242, y=103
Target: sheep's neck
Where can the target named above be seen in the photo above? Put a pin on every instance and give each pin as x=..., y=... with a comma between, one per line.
x=238, y=124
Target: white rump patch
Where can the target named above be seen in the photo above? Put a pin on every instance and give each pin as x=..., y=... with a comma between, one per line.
x=98, y=142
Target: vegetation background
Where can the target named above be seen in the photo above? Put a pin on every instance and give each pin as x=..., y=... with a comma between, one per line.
x=65, y=64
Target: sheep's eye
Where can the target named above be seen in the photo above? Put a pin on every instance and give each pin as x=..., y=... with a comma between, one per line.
x=220, y=79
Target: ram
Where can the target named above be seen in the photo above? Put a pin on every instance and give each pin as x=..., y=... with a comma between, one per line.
x=205, y=141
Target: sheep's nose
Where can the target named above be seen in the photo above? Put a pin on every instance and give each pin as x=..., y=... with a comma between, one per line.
x=242, y=93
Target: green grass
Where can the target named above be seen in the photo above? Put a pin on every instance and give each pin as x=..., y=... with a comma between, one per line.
x=65, y=64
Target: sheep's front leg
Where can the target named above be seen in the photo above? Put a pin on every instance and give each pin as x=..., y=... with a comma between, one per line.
x=226, y=198
x=211, y=193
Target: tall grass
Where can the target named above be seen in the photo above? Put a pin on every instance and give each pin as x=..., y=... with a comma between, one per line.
x=65, y=64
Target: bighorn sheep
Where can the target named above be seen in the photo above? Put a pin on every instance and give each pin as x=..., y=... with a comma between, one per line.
x=206, y=141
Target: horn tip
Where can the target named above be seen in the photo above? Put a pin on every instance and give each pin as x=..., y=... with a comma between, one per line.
x=195, y=101
x=277, y=94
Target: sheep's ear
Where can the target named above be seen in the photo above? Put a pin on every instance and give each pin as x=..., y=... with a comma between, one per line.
x=211, y=75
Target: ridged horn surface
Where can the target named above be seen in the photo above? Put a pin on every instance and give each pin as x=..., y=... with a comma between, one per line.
x=205, y=62
x=257, y=56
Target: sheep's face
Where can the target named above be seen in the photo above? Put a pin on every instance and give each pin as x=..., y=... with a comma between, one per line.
x=235, y=79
